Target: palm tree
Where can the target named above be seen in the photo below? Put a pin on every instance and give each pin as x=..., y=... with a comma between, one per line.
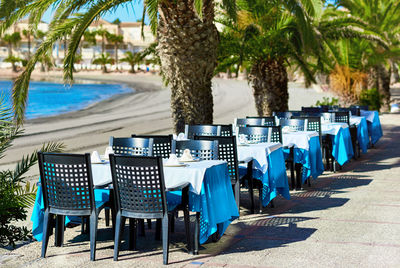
x=188, y=41
x=117, y=39
x=28, y=33
x=103, y=60
x=16, y=194
x=103, y=33
x=90, y=38
x=132, y=59
x=12, y=40
x=268, y=36
x=384, y=16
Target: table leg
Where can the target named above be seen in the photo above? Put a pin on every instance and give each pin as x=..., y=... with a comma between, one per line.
x=59, y=233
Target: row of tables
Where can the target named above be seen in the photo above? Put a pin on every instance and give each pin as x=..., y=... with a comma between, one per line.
x=210, y=191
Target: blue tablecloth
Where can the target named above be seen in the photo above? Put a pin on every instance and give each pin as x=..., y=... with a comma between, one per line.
x=362, y=135
x=101, y=196
x=342, y=147
x=216, y=202
x=275, y=179
x=310, y=159
x=375, y=128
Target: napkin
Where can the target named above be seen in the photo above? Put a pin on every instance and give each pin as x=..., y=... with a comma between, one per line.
x=186, y=156
x=286, y=129
x=172, y=160
x=95, y=157
x=180, y=137
x=243, y=139
x=109, y=150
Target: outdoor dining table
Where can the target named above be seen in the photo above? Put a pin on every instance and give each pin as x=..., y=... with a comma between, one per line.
x=268, y=167
x=342, y=147
x=362, y=131
x=307, y=152
x=210, y=194
x=374, y=125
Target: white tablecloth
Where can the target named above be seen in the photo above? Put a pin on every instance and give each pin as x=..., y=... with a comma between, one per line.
x=369, y=115
x=355, y=120
x=298, y=139
x=332, y=128
x=259, y=152
x=174, y=177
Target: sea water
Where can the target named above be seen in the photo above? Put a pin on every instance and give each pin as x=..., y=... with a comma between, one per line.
x=48, y=98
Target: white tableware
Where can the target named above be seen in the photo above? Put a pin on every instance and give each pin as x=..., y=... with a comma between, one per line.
x=243, y=139
x=109, y=150
x=95, y=158
x=187, y=156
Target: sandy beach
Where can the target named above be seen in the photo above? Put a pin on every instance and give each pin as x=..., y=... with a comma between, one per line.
x=146, y=111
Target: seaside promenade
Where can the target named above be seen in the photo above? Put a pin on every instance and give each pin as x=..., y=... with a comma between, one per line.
x=346, y=219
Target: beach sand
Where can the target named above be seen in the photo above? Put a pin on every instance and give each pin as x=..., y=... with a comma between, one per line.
x=146, y=111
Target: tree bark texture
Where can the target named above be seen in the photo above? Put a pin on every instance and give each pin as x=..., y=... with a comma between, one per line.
x=395, y=77
x=379, y=78
x=187, y=46
x=269, y=79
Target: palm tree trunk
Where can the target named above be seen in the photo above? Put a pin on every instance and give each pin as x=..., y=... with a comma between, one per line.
x=103, y=44
x=116, y=56
x=187, y=46
x=10, y=55
x=395, y=77
x=29, y=46
x=270, y=86
x=379, y=78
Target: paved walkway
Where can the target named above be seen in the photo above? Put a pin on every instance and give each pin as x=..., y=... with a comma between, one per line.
x=347, y=219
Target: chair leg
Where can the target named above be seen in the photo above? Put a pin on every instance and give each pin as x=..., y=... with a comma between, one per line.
x=149, y=223
x=93, y=235
x=187, y=229
x=132, y=233
x=165, y=238
x=59, y=233
x=158, y=230
x=46, y=231
x=172, y=222
x=292, y=177
x=260, y=193
x=236, y=190
x=117, y=238
x=298, y=176
x=196, y=234
x=107, y=216
x=142, y=229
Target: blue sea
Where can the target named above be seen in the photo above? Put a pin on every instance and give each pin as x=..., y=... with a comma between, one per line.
x=48, y=98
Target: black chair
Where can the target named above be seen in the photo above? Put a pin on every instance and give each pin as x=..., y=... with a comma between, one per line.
x=311, y=109
x=203, y=130
x=361, y=107
x=353, y=109
x=294, y=124
x=227, y=151
x=132, y=146
x=139, y=191
x=268, y=120
x=287, y=114
x=161, y=144
x=202, y=149
x=226, y=130
x=261, y=133
x=243, y=122
x=135, y=146
x=342, y=117
x=67, y=188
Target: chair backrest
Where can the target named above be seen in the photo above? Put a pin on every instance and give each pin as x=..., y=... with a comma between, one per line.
x=361, y=107
x=226, y=130
x=287, y=114
x=203, y=130
x=139, y=186
x=227, y=151
x=353, y=109
x=67, y=183
x=268, y=120
x=243, y=122
x=311, y=109
x=313, y=124
x=261, y=133
x=294, y=124
x=132, y=146
x=342, y=117
x=161, y=144
x=202, y=149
